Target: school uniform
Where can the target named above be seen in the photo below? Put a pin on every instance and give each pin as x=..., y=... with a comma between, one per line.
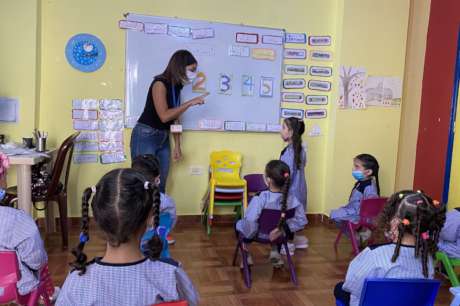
x=20, y=233
x=168, y=206
x=249, y=225
x=298, y=186
x=145, y=282
x=449, y=238
x=350, y=212
x=375, y=262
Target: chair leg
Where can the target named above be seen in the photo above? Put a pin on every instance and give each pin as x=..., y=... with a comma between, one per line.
x=449, y=269
x=246, y=272
x=235, y=256
x=339, y=235
x=354, y=244
x=49, y=215
x=62, y=201
x=291, y=264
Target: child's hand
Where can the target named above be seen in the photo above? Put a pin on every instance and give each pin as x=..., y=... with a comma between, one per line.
x=177, y=154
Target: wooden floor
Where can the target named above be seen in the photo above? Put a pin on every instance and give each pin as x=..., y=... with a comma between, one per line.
x=208, y=261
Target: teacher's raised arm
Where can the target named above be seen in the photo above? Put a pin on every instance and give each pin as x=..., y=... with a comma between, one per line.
x=162, y=109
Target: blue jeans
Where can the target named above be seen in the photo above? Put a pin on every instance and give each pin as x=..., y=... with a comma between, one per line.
x=147, y=140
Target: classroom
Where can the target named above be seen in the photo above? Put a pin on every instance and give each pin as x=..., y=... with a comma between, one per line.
x=235, y=146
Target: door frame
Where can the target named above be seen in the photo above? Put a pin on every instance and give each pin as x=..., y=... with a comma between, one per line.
x=453, y=116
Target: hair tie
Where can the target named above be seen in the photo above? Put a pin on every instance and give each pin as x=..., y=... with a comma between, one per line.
x=406, y=222
x=286, y=174
x=419, y=202
x=146, y=185
x=83, y=237
x=283, y=215
x=93, y=189
x=401, y=196
x=425, y=236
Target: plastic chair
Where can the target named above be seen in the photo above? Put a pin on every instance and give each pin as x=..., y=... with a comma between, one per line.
x=225, y=178
x=404, y=292
x=10, y=275
x=268, y=221
x=369, y=211
x=255, y=183
x=164, y=229
x=178, y=303
x=449, y=264
x=57, y=192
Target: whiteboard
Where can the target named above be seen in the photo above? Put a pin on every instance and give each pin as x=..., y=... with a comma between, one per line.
x=147, y=55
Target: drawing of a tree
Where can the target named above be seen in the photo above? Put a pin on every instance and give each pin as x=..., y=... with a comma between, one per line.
x=352, y=80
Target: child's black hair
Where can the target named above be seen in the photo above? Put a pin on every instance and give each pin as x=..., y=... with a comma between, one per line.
x=297, y=126
x=279, y=173
x=122, y=201
x=418, y=215
x=148, y=165
x=370, y=162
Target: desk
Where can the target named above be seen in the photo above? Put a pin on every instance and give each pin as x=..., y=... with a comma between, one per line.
x=24, y=165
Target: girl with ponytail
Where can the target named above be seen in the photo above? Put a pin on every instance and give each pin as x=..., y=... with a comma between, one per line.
x=278, y=178
x=412, y=221
x=124, y=204
x=295, y=156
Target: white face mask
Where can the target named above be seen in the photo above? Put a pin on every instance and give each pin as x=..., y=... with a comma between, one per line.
x=191, y=75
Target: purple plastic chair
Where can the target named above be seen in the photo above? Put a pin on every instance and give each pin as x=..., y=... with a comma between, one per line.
x=369, y=211
x=268, y=221
x=255, y=183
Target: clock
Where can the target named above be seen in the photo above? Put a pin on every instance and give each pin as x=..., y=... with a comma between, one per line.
x=85, y=52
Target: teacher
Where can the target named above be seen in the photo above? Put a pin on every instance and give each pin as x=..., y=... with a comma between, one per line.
x=162, y=109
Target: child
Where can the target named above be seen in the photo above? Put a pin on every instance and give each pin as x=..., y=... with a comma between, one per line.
x=149, y=166
x=278, y=179
x=124, y=203
x=20, y=233
x=413, y=222
x=449, y=239
x=295, y=156
x=366, y=172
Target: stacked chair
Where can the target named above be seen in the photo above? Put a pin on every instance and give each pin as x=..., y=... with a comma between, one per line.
x=226, y=188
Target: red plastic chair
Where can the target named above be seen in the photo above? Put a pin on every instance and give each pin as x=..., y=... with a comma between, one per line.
x=10, y=275
x=370, y=209
x=268, y=221
x=178, y=303
x=255, y=183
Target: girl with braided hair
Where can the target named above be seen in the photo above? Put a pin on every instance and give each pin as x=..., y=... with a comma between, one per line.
x=412, y=221
x=295, y=156
x=124, y=204
x=278, y=177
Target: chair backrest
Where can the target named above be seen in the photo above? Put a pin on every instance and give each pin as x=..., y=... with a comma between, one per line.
x=371, y=208
x=269, y=219
x=399, y=292
x=225, y=164
x=64, y=154
x=255, y=182
x=178, y=303
x=9, y=276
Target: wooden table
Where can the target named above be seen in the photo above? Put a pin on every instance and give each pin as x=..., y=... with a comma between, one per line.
x=24, y=165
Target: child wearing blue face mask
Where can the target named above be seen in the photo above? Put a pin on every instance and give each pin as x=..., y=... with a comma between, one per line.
x=366, y=172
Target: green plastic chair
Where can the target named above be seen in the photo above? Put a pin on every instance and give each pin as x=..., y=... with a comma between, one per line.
x=449, y=264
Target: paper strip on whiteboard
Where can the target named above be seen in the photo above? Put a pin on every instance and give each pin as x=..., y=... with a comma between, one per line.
x=273, y=127
x=210, y=124
x=239, y=51
x=179, y=31
x=155, y=28
x=296, y=38
x=256, y=127
x=234, y=126
x=247, y=38
x=202, y=33
x=289, y=112
x=131, y=25
x=272, y=40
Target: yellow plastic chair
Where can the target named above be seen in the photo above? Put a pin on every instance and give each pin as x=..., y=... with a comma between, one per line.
x=225, y=169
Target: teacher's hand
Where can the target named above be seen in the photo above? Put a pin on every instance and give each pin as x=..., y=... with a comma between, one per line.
x=198, y=100
x=177, y=154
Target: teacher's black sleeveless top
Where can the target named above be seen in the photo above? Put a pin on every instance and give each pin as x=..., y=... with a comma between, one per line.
x=149, y=115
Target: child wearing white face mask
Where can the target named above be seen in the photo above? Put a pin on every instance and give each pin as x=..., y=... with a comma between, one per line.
x=366, y=172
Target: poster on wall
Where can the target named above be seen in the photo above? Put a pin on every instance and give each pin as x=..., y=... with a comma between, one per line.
x=351, y=88
x=383, y=91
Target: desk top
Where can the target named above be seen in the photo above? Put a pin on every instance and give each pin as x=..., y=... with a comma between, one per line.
x=30, y=159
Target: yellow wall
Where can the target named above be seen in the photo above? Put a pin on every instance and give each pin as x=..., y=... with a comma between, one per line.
x=412, y=92
x=61, y=83
x=365, y=33
x=374, y=36
x=454, y=191
x=19, y=65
